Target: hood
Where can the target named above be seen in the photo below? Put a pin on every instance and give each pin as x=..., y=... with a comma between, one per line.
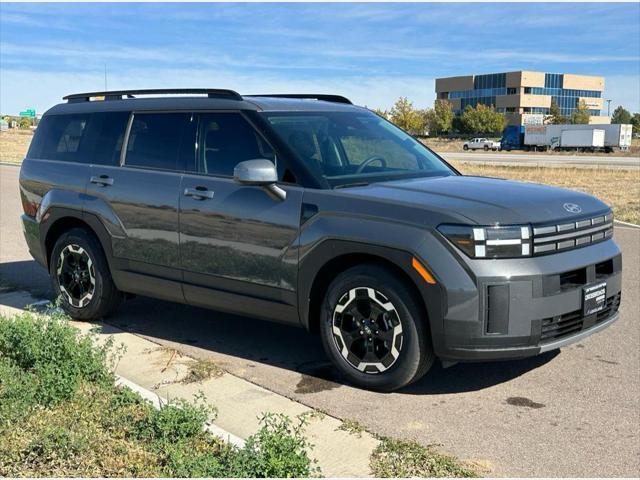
x=487, y=201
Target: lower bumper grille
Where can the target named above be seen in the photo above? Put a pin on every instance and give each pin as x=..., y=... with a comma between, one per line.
x=561, y=326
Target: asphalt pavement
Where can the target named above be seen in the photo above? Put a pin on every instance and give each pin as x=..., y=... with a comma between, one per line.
x=570, y=413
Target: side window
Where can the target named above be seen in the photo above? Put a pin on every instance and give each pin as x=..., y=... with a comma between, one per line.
x=226, y=139
x=106, y=134
x=161, y=140
x=61, y=137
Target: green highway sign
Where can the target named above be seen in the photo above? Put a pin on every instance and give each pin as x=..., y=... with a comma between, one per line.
x=29, y=112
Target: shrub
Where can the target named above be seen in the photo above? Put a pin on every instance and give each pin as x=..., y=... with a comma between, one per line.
x=278, y=449
x=61, y=415
x=54, y=352
x=397, y=458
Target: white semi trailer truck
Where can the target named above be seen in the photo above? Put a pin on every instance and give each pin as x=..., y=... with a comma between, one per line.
x=550, y=137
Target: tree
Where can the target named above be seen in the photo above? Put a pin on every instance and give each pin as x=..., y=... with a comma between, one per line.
x=24, y=122
x=555, y=115
x=581, y=114
x=382, y=113
x=635, y=121
x=482, y=119
x=404, y=115
x=440, y=118
x=621, y=115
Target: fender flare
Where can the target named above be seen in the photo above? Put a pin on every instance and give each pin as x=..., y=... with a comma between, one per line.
x=54, y=213
x=432, y=296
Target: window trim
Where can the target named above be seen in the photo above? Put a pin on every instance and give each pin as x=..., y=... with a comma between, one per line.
x=125, y=142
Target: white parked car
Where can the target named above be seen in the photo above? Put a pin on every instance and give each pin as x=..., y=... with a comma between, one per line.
x=481, y=144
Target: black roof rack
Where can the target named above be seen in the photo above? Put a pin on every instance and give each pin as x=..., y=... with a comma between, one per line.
x=320, y=96
x=118, y=94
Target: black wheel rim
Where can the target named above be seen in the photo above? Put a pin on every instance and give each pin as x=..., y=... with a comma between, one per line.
x=367, y=330
x=76, y=276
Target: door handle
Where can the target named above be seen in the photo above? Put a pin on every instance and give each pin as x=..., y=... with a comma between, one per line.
x=199, y=193
x=103, y=180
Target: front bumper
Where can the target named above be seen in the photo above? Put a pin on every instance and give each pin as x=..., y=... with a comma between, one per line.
x=513, y=308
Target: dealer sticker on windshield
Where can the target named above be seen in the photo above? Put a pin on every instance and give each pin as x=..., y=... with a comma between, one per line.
x=595, y=298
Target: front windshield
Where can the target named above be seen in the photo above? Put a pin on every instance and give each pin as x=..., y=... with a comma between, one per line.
x=354, y=147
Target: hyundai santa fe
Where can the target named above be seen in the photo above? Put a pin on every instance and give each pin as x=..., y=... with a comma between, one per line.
x=313, y=212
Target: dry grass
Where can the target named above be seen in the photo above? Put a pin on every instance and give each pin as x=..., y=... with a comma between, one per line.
x=202, y=370
x=618, y=188
x=14, y=144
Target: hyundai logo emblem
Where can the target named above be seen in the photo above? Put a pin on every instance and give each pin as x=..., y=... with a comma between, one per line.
x=572, y=208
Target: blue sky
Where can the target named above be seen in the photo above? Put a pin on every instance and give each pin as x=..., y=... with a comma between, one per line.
x=372, y=53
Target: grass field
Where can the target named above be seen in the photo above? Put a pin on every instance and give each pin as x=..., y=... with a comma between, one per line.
x=618, y=188
x=14, y=144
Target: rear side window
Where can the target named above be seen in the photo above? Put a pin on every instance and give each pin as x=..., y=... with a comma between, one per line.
x=60, y=137
x=106, y=134
x=83, y=138
x=165, y=141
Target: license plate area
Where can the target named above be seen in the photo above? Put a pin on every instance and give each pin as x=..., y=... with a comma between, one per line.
x=594, y=298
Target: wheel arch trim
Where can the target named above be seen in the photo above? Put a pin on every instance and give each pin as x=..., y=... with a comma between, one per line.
x=316, y=271
x=59, y=219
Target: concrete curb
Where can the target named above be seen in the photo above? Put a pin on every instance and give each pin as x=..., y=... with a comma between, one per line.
x=626, y=224
x=157, y=402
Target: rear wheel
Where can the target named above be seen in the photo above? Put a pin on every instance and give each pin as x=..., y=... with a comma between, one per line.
x=373, y=329
x=81, y=278
x=486, y=148
x=465, y=147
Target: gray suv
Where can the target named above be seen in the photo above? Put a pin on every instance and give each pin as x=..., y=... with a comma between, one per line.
x=308, y=210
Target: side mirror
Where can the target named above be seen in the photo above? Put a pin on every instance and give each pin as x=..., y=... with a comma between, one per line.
x=260, y=172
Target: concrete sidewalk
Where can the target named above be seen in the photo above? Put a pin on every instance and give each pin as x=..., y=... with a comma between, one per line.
x=239, y=403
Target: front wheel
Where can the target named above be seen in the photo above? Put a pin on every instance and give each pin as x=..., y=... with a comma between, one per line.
x=81, y=278
x=486, y=148
x=374, y=330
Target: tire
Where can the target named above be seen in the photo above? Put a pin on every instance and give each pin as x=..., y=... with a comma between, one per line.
x=414, y=353
x=78, y=251
x=486, y=148
x=465, y=147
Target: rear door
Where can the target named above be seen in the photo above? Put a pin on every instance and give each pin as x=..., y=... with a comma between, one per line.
x=136, y=193
x=237, y=243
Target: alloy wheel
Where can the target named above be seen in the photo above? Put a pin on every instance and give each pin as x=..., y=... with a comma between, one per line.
x=367, y=330
x=76, y=275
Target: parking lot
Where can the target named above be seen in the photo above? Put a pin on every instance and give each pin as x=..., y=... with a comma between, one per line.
x=568, y=413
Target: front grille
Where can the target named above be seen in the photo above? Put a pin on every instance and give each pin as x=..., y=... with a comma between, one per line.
x=579, y=233
x=561, y=326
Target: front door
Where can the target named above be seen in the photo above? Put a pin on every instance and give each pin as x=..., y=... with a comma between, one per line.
x=237, y=243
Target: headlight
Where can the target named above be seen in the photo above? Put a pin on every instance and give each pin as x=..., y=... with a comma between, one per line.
x=490, y=242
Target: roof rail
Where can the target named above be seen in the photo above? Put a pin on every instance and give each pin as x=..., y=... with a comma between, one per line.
x=118, y=94
x=320, y=96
